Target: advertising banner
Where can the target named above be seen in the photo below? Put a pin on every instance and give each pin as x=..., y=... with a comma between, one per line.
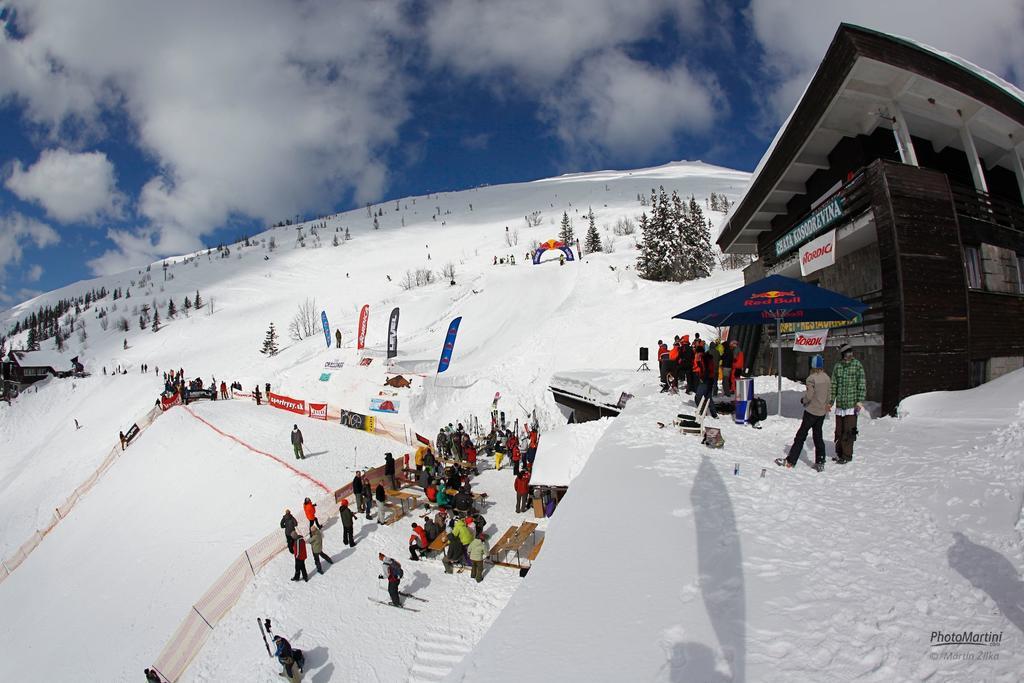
x=393, y=334
x=358, y=421
x=292, y=405
x=384, y=405
x=167, y=402
x=325, y=377
x=449, y=345
x=810, y=342
x=327, y=328
x=818, y=253
x=334, y=365
x=823, y=216
x=196, y=394
x=364, y=318
x=318, y=411
x=132, y=432
x=235, y=393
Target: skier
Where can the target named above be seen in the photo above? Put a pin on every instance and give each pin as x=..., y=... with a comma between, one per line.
x=309, y=507
x=299, y=553
x=381, y=497
x=337, y=339
x=346, y=523
x=357, y=490
x=847, y=393
x=297, y=442
x=288, y=523
x=816, y=406
x=316, y=544
x=478, y=550
x=290, y=658
x=389, y=470
x=393, y=572
x=417, y=541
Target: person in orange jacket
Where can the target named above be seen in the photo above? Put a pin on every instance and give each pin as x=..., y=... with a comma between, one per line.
x=738, y=363
x=417, y=541
x=309, y=507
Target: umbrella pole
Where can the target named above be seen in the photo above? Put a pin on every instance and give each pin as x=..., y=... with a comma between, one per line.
x=778, y=337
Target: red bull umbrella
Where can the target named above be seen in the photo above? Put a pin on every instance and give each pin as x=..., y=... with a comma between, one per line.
x=775, y=299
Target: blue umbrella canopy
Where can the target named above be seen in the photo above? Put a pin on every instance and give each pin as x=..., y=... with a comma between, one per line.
x=775, y=299
x=772, y=299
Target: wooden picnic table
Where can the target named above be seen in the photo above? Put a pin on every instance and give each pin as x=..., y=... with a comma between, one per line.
x=513, y=541
x=438, y=543
x=403, y=498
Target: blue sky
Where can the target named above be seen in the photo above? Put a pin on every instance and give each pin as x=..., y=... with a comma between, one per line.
x=131, y=130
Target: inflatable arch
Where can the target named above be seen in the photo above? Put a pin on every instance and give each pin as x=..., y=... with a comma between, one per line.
x=549, y=245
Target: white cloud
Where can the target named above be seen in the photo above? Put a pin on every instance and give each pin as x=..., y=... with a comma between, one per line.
x=249, y=107
x=795, y=34
x=629, y=109
x=34, y=273
x=70, y=187
x=15, y=231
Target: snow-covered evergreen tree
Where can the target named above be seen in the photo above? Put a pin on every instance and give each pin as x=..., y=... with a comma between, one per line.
x=566, y=234
x=172, y=310
x=698, y=243
x=198, y=303
x=156, y=321
x=593, y=241
x=270, y=342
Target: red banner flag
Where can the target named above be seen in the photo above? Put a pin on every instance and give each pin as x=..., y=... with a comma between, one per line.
x=364, y=318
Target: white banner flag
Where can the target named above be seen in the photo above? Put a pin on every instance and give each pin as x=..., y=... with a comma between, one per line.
x=811, y=342
x=818, y=253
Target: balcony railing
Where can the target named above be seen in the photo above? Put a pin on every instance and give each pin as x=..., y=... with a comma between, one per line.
x=982, y=206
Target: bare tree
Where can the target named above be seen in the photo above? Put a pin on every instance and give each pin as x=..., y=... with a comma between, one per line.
x=448, y=271
x=533, y=219
x=304, y=322
x=512, y=237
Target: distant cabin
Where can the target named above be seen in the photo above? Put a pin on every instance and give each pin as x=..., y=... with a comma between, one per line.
x=24, y=368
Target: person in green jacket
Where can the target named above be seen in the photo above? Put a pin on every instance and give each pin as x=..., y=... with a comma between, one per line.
x=442, y=497
x=462, y=531
x=478, y=550
x=849, y=388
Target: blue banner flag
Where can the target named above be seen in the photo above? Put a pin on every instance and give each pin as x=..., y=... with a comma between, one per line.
x=449, y=345
x=327, y=328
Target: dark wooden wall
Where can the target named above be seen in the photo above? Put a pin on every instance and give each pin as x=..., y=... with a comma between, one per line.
x=924, y=288
x=997, y=325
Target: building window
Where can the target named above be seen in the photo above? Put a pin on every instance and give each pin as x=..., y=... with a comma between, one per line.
x=979, y=372
x=972, y=262
x=1020, y=274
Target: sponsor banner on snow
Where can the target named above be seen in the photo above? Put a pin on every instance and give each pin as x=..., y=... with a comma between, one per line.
x=365, y=361
x=818, y=253
x=810, y=342
x=196, y=394
x=235, y=393
x=384, y=405
x=318, y=411
x=449, y=345
x=393, y=334
x=325, y=377
x=334, y=365
x=167, y=402
x=327, y=328
x=288, y=403
x=132, y=432
x=364, y=318
x=358, y=421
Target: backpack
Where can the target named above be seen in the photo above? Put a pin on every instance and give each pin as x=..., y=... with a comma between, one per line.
x=299, y=658
x=396, y=570
x=758, y=410
x=713, y=437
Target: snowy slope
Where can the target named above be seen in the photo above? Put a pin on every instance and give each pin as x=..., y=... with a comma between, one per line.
x=700, y=574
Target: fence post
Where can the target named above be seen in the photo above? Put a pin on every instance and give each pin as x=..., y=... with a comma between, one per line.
x=57, y=510
x=249, y=560
x=202, y=617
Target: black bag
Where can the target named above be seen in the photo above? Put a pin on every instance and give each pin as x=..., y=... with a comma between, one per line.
x=758, y=410
x=299, y=658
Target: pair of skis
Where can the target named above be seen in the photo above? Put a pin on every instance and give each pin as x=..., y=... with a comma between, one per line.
x=407, y=595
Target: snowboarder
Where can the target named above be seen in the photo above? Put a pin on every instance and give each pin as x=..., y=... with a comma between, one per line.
x=309, y=508
x=389, y=470
x=478, y=550
x=357, y=490
x=299, y=553
x=417, y=541
x=816, y=406
x=316, y=544
x=297, y=442
x=847, y=393
x=393, y=572
x=288, y=523
x=346, y=523
x=337, y=339
x=381, y=497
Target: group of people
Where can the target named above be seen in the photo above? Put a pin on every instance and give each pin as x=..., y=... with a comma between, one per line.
x=297, y=545
x=695, y=367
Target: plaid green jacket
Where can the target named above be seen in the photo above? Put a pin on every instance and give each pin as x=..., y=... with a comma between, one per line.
x=848, y=384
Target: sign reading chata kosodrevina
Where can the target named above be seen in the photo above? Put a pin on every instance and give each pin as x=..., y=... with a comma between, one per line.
x=824, y=216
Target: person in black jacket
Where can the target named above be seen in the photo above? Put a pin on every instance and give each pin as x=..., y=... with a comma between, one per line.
x=288, y=523
x=389, y=470
x=686, y=366
x=357, y=490
x=727, y=356
x=346, y=523
x=381, y=497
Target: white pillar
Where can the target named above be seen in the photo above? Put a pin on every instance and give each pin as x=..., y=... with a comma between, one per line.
x=902, y=134
x=977, y=171
x=1018, y=170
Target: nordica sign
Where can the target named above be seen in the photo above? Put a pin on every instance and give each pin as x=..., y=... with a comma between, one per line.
x=824, y=216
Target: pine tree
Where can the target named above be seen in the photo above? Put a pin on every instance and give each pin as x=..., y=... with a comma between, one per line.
x=698, y=241
x=32, y=343
x=156, y=321
x=270, y=342
x=59, y=340
x=198, y=303
x=188, y=304
x=347, y=236
x=593, y=241
x=566, y=234
x=142, y=323
x=171, y=309
x=335, y=240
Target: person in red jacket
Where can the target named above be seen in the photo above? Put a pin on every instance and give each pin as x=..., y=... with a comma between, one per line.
x=531, y=452
x=738, y=363
x=309, y=507
x=299, y=553
x=417, y=541
x=522, y=486
x=663, y=366
x=516, y=458
x=223, y=390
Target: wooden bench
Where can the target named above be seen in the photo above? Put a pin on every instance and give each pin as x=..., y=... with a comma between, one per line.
x=438, y=544
x=513, y=541
x=535, y=551
x=502, y=542
x=404, y=498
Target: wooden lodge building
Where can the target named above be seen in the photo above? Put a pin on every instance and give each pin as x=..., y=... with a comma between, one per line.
x=914, y=158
